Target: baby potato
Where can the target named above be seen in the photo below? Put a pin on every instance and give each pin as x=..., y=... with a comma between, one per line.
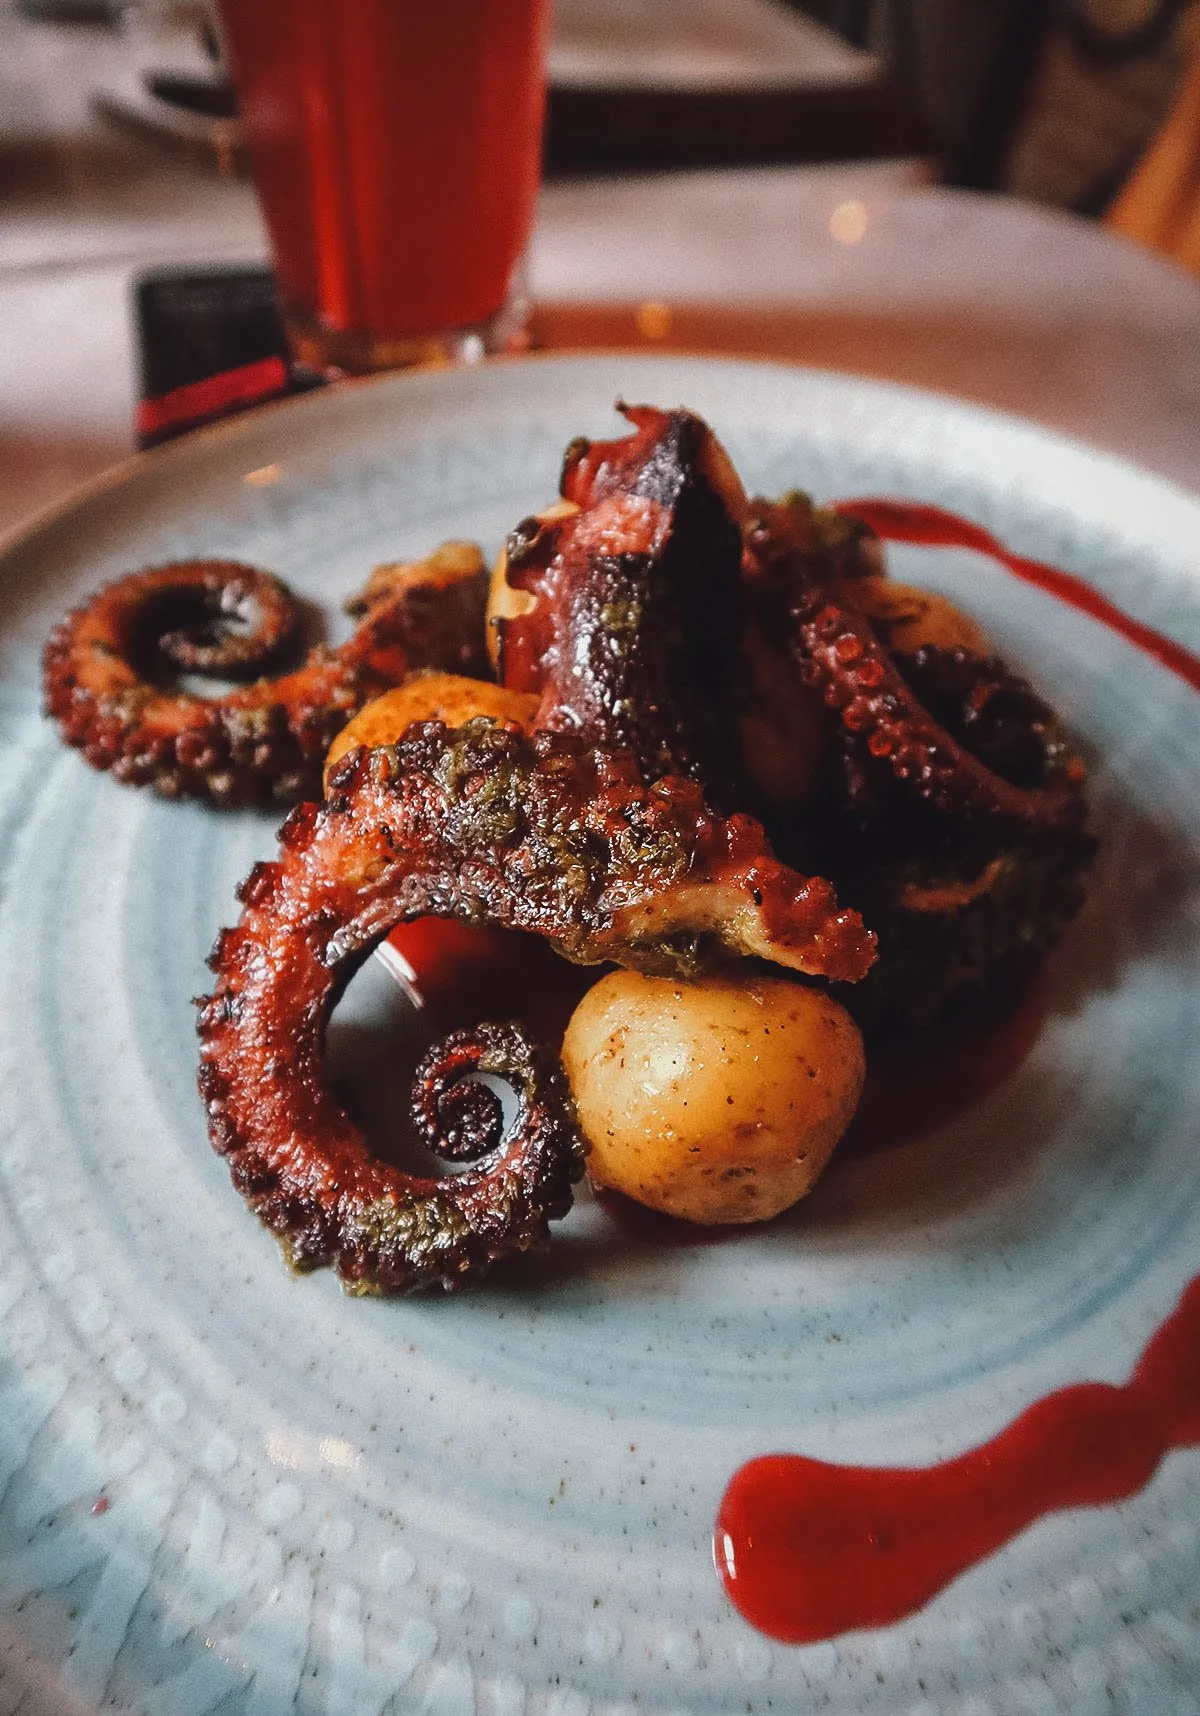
x=716, y=1101
x=448, y=697
x=907, y=617
x=505, y=601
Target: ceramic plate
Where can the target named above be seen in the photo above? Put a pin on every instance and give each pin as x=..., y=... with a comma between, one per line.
x=226, y=1490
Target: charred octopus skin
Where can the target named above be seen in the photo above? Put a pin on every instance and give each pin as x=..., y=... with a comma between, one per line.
x=486, y=825
x=110, y=667
x=953, y=816
x=621, y=606
x=883, y=713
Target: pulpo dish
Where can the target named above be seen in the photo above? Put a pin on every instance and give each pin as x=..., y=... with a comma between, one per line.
x=797, y=809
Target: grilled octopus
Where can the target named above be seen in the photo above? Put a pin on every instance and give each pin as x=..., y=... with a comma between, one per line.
x=784, y=673
x=596, y=829
x=109, y=668
x=655, y=625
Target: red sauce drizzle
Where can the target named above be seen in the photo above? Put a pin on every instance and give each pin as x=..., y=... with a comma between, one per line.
x=807, y=1550
x=905, y=521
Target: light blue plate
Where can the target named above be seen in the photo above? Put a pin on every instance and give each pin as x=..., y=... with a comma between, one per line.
x=224, y=1490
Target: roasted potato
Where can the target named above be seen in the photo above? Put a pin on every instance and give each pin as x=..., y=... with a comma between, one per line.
x=906, y=618
x=444, y=697
x=715, y=1101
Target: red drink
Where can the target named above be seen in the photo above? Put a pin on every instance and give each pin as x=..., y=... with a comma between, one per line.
x=396, y=149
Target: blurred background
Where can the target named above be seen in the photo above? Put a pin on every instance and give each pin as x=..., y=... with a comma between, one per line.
x=1054, y=100
x=964, y=194
x=1050, y=99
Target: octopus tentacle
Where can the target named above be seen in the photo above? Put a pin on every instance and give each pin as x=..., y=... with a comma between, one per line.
x=385, y=1230
x=422, y=614
x=108, y=667
x=483, y=824
x=201, y=616
x=191, y=613
x=926, y=777
x=622, y=607
x=792, y=544
x=995, y=713
x=956, y=821
x=841, y=656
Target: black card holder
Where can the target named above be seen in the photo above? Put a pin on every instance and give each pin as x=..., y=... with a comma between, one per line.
x=210, y=344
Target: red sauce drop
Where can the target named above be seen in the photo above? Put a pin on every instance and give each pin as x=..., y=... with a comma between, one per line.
x=807, y=1550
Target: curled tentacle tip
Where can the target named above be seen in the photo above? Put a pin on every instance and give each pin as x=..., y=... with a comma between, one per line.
x=460, y=1121
x=221, y=617
x=108, y=665
x=460, y=1118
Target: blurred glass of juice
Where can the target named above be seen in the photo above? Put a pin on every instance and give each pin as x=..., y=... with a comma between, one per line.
x=396, y=147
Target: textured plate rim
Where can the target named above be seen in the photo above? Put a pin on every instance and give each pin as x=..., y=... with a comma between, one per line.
x=130, y=470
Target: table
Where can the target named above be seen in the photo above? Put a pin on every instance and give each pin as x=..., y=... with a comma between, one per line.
x=868, y=268
x=864, y=269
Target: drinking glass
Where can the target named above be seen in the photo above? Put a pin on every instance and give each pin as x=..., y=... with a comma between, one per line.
x=396, y=147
